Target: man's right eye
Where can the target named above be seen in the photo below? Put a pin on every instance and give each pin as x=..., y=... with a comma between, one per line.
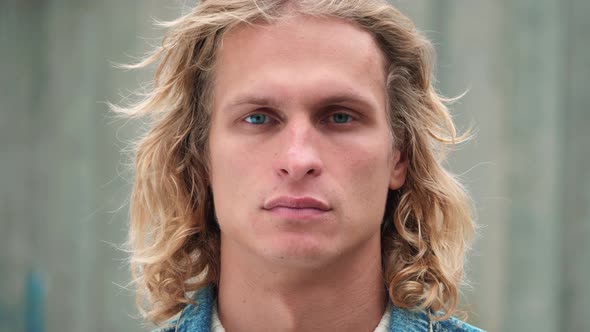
x=257, y=119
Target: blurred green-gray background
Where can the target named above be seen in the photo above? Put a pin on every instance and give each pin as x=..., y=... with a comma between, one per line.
x=64, y=180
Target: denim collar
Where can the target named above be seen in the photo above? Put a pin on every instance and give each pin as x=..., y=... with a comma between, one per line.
x=197, y=318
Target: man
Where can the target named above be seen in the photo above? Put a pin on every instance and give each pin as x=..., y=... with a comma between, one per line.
x=291, y=179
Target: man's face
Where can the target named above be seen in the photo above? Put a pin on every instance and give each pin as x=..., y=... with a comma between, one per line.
x=301, y=154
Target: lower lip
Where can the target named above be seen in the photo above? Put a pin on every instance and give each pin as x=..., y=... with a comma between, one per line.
x=297, y=213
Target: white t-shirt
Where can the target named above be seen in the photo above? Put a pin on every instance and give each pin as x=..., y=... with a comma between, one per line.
x=383, y=325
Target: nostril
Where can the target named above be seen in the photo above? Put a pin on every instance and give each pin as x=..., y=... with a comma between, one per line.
x=286, y=172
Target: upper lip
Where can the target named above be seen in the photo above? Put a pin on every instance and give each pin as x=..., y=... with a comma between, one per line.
x=296, y=203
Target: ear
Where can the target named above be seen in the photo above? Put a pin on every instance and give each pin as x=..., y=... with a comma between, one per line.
x=399, y=169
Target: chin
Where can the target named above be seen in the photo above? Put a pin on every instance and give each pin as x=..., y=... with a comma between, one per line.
x=299, y=251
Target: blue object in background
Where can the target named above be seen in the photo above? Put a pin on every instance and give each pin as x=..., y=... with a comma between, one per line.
x=34, y=303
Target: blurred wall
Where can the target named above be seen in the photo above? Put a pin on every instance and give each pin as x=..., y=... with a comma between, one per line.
x=64, y=182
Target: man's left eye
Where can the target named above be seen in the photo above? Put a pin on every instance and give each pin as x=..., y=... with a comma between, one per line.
x=340, y=118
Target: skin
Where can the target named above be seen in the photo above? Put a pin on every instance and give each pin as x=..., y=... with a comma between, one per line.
x=299, y=113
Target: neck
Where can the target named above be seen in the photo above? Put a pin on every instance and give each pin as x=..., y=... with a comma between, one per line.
x=347, y=295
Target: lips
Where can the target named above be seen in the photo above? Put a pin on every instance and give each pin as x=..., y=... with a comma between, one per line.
x=297, y=208
x=296, y=203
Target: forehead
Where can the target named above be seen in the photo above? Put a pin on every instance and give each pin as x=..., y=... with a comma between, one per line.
x=318, y=33
x=315, y=55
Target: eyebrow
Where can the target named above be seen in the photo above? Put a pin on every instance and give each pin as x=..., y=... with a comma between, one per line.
x=257, y=100
x=333, y=99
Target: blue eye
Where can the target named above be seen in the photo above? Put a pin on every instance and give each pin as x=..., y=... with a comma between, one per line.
x=256, y=119
x=340, y=117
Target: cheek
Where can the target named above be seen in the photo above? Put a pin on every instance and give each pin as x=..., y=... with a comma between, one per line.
x=230, y=162
x=226, y=173
x=369, y=175
x=236, y=180
x=370, y=167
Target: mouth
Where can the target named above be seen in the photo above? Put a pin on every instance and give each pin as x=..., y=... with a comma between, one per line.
x=296, y=207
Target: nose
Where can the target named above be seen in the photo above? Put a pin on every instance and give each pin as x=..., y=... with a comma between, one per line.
x=299, y=157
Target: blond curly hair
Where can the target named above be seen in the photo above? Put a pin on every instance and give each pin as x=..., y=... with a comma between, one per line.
x=174, y=238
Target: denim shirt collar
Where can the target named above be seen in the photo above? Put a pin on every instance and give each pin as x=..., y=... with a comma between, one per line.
x=197, y=318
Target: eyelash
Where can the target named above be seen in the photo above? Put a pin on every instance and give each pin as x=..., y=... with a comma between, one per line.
x=351, y=118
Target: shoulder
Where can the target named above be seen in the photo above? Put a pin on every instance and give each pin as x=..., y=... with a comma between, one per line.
x=165, y=329
x=194, y=317
x=453, y=324
x=418, y=321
